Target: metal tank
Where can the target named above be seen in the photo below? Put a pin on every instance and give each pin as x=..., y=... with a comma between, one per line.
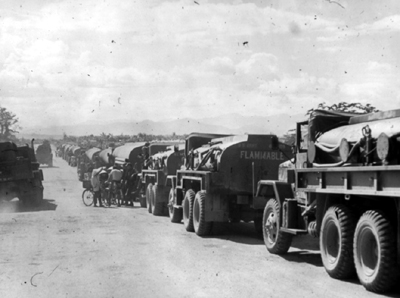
x=220, y=181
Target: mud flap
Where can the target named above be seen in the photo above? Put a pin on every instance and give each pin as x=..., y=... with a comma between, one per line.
x=217, y=208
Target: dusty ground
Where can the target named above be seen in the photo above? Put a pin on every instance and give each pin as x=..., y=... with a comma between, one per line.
x=64, y=249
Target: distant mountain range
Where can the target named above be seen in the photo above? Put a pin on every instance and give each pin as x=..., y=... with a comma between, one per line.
x=229, y=123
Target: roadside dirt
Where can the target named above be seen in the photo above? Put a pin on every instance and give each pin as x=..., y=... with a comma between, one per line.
x=64, y=249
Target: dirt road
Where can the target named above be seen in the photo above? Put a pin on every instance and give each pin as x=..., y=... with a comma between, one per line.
x=64, y=249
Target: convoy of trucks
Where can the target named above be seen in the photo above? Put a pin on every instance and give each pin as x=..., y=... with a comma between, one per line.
x=338, y=182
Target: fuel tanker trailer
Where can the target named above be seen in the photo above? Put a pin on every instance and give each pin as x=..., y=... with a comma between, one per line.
x=129, y=152
x=103, y=158
x=20, y=176
x=44, y=154
x=152, y=178
x=346, y=192
x=192, y=142
x=87, y=161
x=90, y=154
x=220, y=181
x=122, y=155
x=160, y=177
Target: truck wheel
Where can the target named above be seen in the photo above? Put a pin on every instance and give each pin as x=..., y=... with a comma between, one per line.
x=258, y=225
x=187, y=206
x=143, y=202
x=158, y=206
x=336, y=242
x=201, y=226
x=149, y=197
x=276, y=241
x=375, y=252
x=175, y=214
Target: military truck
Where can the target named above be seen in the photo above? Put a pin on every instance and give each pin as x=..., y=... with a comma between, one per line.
x=346, y=192
x=104, y=158
x=160, y=177
x=170, y=160
x=129, y=153
x=74, y=155
x=141, y=158
x=20, y=176
x=86, y=161
x=220, y=181
x=44, y=154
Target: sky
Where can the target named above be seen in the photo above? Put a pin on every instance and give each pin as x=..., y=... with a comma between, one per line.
x=93, y=61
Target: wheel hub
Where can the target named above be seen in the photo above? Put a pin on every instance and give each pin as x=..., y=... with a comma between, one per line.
x=271, y=227
x=369, y=254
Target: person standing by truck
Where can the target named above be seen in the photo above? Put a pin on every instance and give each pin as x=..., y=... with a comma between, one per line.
x=115, y=180
x=95, y=179
x=129, y=179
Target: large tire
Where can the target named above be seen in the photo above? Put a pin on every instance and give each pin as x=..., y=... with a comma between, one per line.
x=149, y=197
x=276, y=241
x=143, y=202
x=158, y=206
x=258, y=225
x=336, y=242
x=201, y=226
x=375, y=252
x=175, y=214
x=187, y=206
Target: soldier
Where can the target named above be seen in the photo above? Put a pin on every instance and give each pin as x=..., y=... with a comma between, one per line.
x=97, y=162
x=81, y=168
x=130, y=175
x=95, y=179
x=145, y=156
x=115, y=179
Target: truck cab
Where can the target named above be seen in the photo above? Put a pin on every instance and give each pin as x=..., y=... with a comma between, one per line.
x=344, y=189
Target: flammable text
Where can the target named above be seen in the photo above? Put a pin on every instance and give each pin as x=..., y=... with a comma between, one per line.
x=262, y=155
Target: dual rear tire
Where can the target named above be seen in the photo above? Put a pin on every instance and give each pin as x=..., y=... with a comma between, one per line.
x=194, y=213
x=201, y=226
x=187, y=208
x=367, y=249
x=159, y=205
x=336, y=242
x=375, y=252
x=149, y=197
x=175, y=214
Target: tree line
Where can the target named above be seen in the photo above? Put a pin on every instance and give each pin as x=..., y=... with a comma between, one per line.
x=9, y=127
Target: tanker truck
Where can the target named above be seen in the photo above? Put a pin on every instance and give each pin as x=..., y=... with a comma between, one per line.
x=44, y=154
x=192, y=142
x=160, y=178
x=20, y=176
x=151, y=179
x=129, y=152
x=220, y=181
x=344, y=188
